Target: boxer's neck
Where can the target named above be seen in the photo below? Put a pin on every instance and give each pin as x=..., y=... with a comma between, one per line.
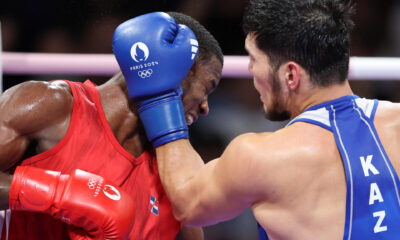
x=317, y=95
x=122, y=116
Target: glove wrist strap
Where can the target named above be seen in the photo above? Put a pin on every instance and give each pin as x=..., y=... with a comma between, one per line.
x=164, y=120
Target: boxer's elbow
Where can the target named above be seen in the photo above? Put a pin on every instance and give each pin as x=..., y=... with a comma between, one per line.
x=188, y=201
x=193, y=219
x=186, y=218
x=183, y=207
x=190, y=212
x=180, y=215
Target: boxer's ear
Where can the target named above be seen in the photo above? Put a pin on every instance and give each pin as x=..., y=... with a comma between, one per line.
x=193, y=69
x=293, y=75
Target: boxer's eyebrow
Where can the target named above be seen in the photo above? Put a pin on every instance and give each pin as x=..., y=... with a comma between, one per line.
x=213, y=86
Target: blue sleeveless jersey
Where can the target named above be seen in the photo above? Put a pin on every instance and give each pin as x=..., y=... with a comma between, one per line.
x=372, y=200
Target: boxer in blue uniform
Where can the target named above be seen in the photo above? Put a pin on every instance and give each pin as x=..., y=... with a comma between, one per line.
x=331, y=174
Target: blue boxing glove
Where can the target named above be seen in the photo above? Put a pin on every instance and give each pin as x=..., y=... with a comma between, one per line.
x=155, y=54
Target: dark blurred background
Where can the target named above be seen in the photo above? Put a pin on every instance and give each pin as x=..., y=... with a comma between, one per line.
x=86, y=26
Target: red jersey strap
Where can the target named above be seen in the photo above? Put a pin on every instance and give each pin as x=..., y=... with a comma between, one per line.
x=68, y=135
x=91, y=88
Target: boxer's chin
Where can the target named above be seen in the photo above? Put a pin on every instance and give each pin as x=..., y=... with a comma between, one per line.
x=276, y=112
x=277, y=115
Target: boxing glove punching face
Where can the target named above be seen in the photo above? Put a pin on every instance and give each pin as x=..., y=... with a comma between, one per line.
x=154, y=54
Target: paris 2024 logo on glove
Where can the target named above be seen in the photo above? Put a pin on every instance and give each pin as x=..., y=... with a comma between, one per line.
x=140, y=53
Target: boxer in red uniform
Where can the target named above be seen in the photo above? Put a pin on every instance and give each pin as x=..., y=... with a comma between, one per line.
x=62, y=126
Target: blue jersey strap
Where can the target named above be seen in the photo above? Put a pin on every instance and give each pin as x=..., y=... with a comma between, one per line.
x=261, y=232
x=372, y=200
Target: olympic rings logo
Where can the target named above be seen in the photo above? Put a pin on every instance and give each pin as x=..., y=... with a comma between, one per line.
x=145, y=73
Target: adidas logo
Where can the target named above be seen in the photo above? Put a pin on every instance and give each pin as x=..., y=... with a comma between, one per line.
x=195, y=47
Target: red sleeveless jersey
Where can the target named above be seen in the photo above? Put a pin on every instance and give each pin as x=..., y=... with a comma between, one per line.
x=90, y=145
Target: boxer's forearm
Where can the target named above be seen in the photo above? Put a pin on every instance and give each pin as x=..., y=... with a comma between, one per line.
x=179, y=165
x=205, y=194
x=5, y=183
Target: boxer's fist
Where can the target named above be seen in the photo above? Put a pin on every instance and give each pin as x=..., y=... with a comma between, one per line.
x=155, y=54
x=82, y=199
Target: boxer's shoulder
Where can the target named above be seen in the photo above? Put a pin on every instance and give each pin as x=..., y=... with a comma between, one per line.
x=292, y=145
x=265, y=160
x=253, y=150
x=387, y=122
x=31, y=91
x=250, y=142
x=34, y=103
x=307, y=140
x=388, y=110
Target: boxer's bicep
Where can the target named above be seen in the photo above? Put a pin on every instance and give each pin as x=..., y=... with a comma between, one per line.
x=26, y=109
x=226, y=189
x=12, y=146
x=13, y=142
x=240, y=168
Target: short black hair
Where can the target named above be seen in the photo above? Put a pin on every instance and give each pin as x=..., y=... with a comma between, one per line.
x=208, y=46
x=313, y=33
